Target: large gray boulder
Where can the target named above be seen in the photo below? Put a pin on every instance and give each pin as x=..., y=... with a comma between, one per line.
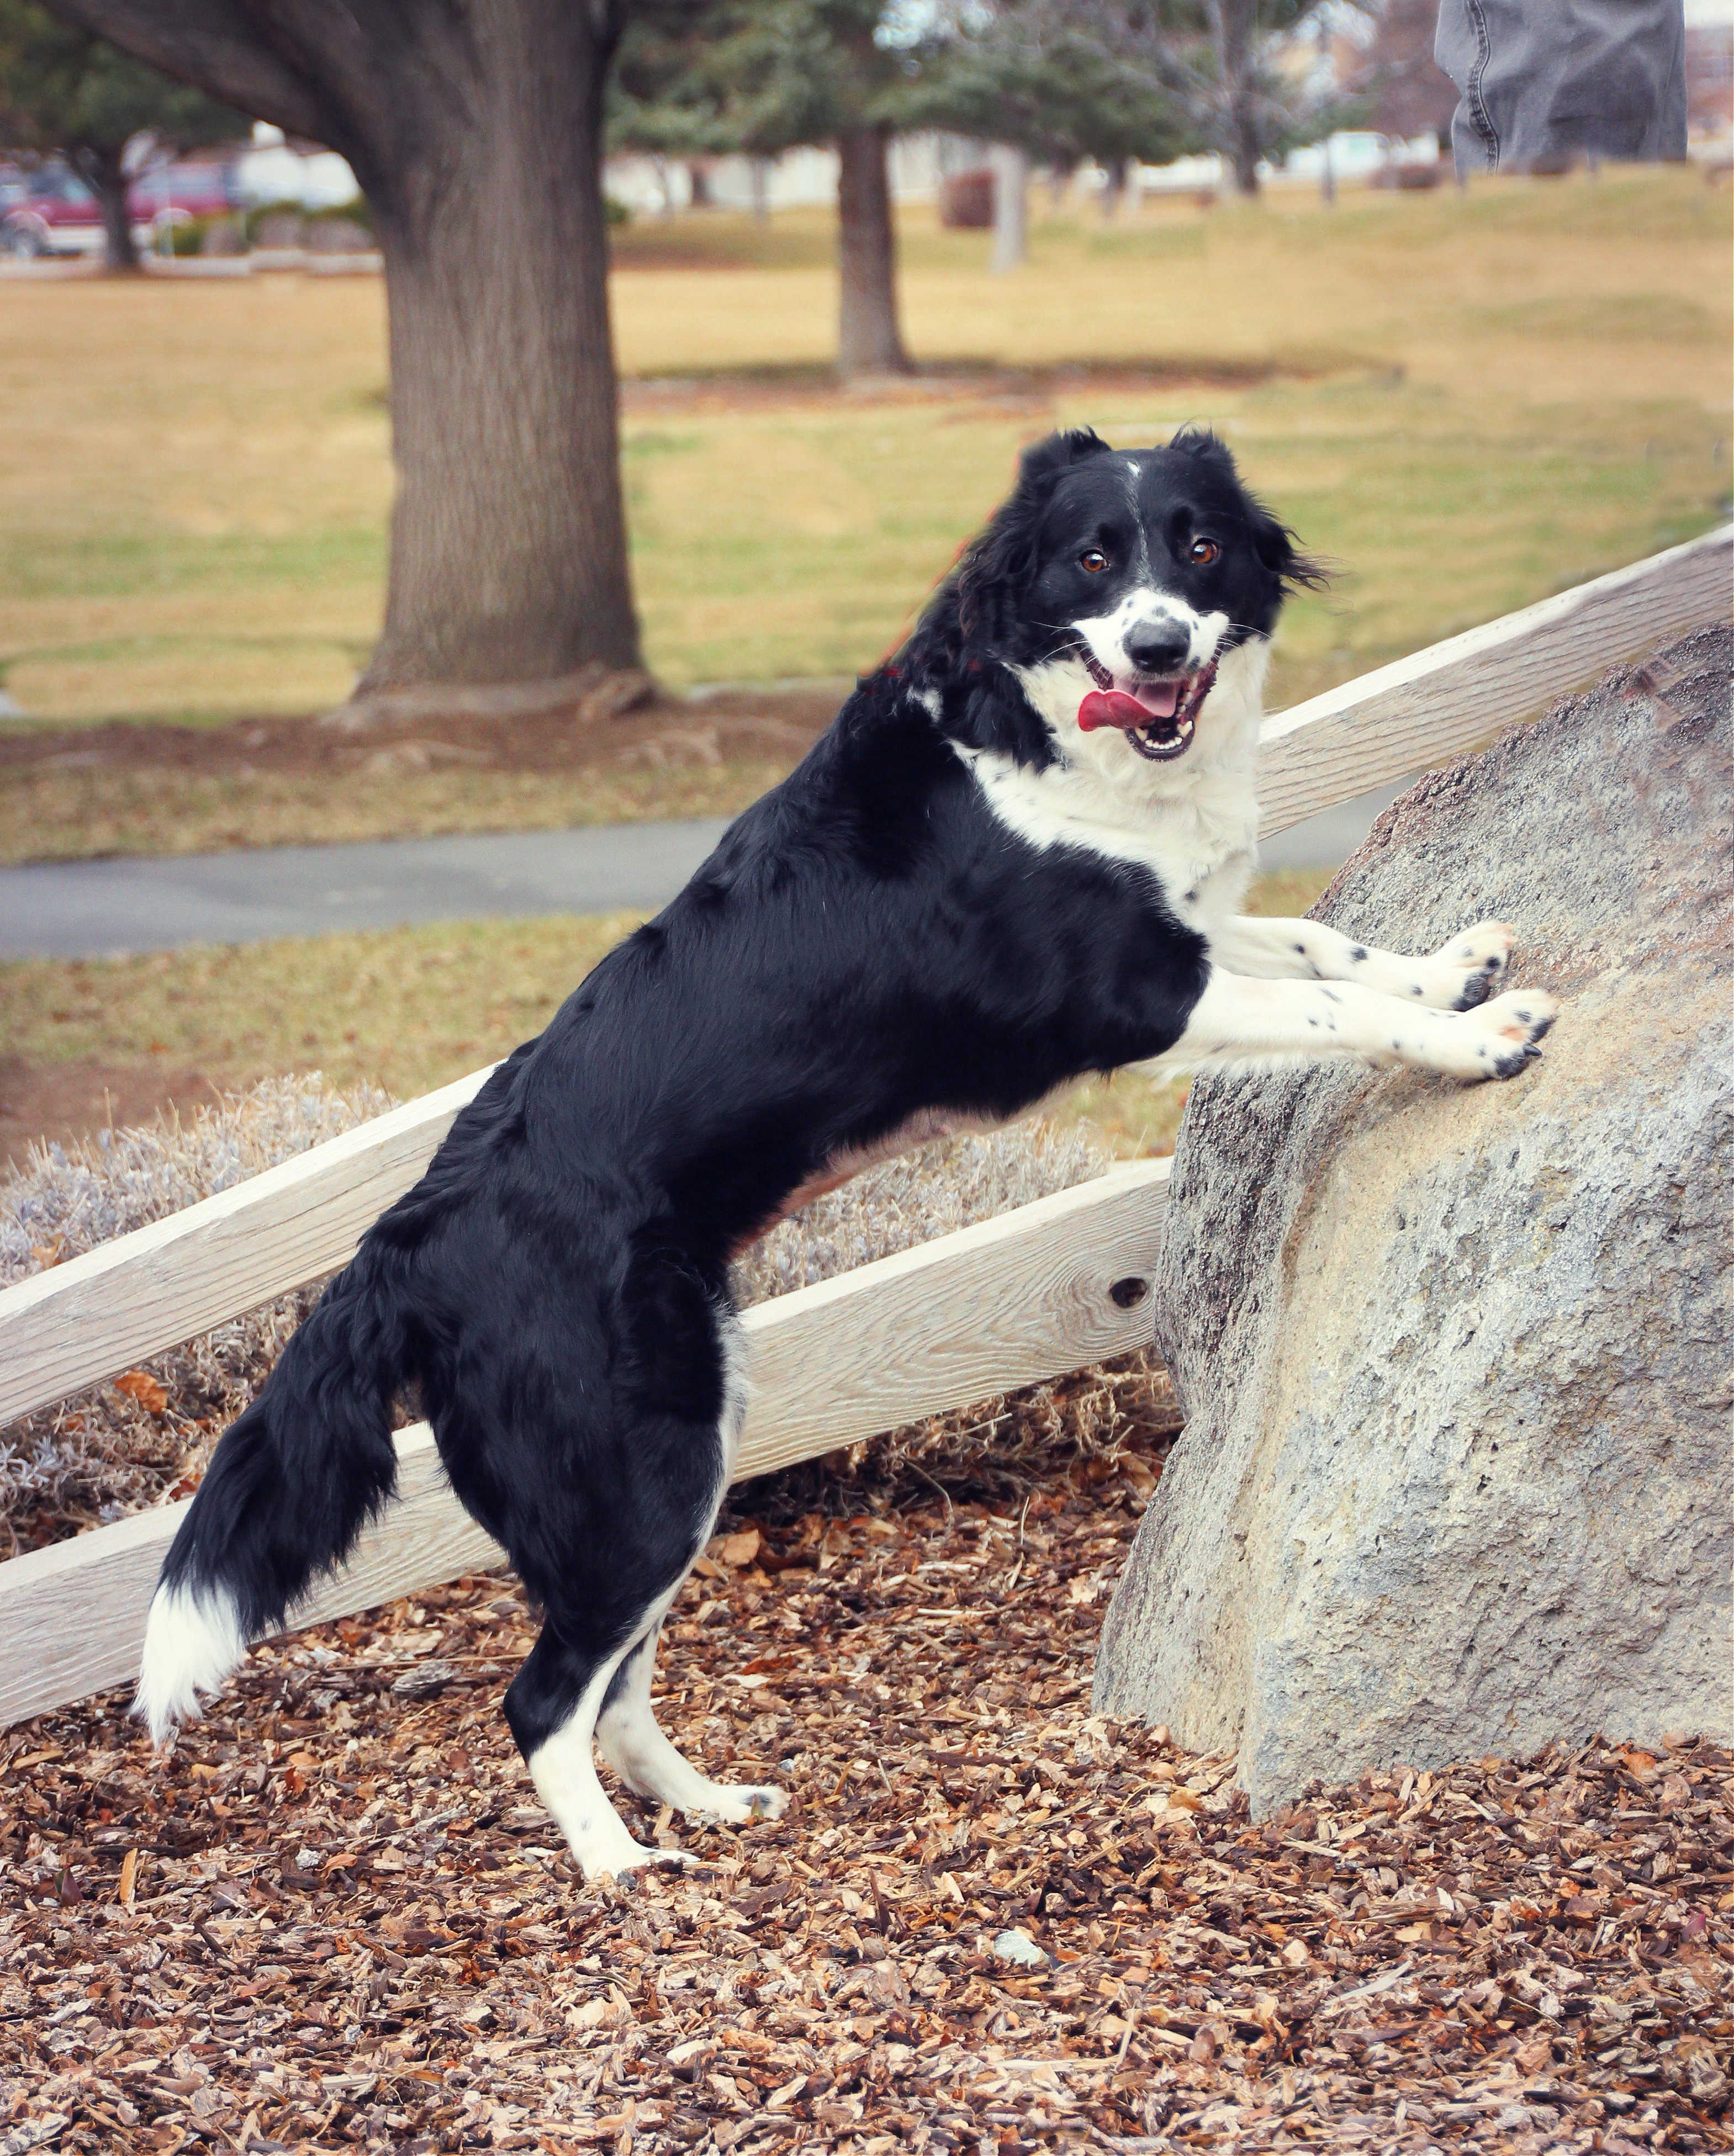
x=1456, y=1360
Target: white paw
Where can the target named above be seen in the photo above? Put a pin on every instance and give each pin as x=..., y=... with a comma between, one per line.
x=1470, y=968
x=610, y=1852
x=739, y=1805
x=1505, y=1034
x=635, y=1857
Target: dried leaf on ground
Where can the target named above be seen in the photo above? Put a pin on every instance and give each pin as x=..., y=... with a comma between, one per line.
x=353, y=1926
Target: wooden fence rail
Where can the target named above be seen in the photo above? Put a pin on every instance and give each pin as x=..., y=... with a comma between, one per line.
x=1008, y=1302
x=1456, y=696
x=1004, y=1303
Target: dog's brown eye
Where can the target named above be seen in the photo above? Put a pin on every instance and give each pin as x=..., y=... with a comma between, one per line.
x=1202, y=552
x=1093, y=559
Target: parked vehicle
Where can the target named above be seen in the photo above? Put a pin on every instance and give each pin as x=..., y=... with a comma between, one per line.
x=54, y=214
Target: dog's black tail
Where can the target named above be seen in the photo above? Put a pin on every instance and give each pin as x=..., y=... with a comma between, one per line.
x=290, y=1485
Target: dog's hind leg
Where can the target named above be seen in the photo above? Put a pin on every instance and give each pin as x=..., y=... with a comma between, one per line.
x=553, y=1705
x=633, y=1744
x=605, y=1549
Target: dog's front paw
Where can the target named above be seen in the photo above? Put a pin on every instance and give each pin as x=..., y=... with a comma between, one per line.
x=1509, y=1031
x=1470, y=967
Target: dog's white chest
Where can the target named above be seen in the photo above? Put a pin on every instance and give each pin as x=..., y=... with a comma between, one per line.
x=1202, y=844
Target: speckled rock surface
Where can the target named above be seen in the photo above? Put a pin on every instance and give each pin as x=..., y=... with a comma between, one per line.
x=1456, y=1360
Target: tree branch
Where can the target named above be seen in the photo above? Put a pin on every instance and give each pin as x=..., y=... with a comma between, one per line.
x=212, y=44
x=305, y=67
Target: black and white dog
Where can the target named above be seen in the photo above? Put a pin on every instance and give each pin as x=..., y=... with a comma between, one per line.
x=1016, y=859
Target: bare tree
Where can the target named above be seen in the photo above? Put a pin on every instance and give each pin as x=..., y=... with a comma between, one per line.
x=1410, y=93
x=474, y=127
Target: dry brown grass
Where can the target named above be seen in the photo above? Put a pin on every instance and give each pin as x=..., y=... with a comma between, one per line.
x=77, y=813
x=1471, y=400
x=410, y=1008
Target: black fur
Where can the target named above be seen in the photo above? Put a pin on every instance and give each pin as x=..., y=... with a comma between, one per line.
x=869, y=942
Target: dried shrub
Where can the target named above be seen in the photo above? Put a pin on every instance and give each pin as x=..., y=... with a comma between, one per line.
x=996, y=1449
x=146, y=1435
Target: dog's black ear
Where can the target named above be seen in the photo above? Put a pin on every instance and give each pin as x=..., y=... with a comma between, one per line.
x=1272, y=541
x=1278, y=551
x=1208, y=448
x=997, y=569
x=1042, y=463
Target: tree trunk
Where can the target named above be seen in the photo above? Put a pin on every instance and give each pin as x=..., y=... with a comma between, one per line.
x=98, y=165
x=508, y=553
x=1233, y=26
x=759, y=168
x=698, y=184
x=868, y=339
x=1011, y=206
x=475, y=135
x=1114, y=186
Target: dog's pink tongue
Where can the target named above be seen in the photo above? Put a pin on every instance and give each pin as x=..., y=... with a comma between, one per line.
x=1113, y=707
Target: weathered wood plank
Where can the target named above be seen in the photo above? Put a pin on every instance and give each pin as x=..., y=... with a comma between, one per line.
x=70, y=1328
x=1005, y=1303
x=66, y=1329
x=1455, y=695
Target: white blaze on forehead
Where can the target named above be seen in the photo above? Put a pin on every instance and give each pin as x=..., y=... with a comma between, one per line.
x=1132, y=469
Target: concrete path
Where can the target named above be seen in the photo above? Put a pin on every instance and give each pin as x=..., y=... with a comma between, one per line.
x=107, y=908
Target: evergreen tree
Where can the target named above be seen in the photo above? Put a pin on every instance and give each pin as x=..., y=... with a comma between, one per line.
x=1216, y=58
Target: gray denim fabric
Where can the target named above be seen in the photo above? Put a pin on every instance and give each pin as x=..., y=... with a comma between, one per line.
x=1558, y=79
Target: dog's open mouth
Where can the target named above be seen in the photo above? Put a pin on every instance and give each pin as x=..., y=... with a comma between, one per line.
x=1158, y=718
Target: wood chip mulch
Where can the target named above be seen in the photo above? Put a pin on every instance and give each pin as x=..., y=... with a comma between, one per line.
x=336, y=1917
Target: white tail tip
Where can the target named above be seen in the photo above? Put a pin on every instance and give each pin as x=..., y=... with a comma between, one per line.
x=193, y=1641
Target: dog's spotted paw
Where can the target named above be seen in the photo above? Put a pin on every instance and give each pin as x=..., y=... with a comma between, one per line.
x=1470, y=968
x=1509, y=1030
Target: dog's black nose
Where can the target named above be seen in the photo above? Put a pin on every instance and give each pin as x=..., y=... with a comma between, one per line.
x=1158, y=650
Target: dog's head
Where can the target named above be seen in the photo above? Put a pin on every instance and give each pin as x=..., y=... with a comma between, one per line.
x=1119, y=586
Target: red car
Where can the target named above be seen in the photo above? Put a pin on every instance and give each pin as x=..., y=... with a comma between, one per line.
x=50, y=211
